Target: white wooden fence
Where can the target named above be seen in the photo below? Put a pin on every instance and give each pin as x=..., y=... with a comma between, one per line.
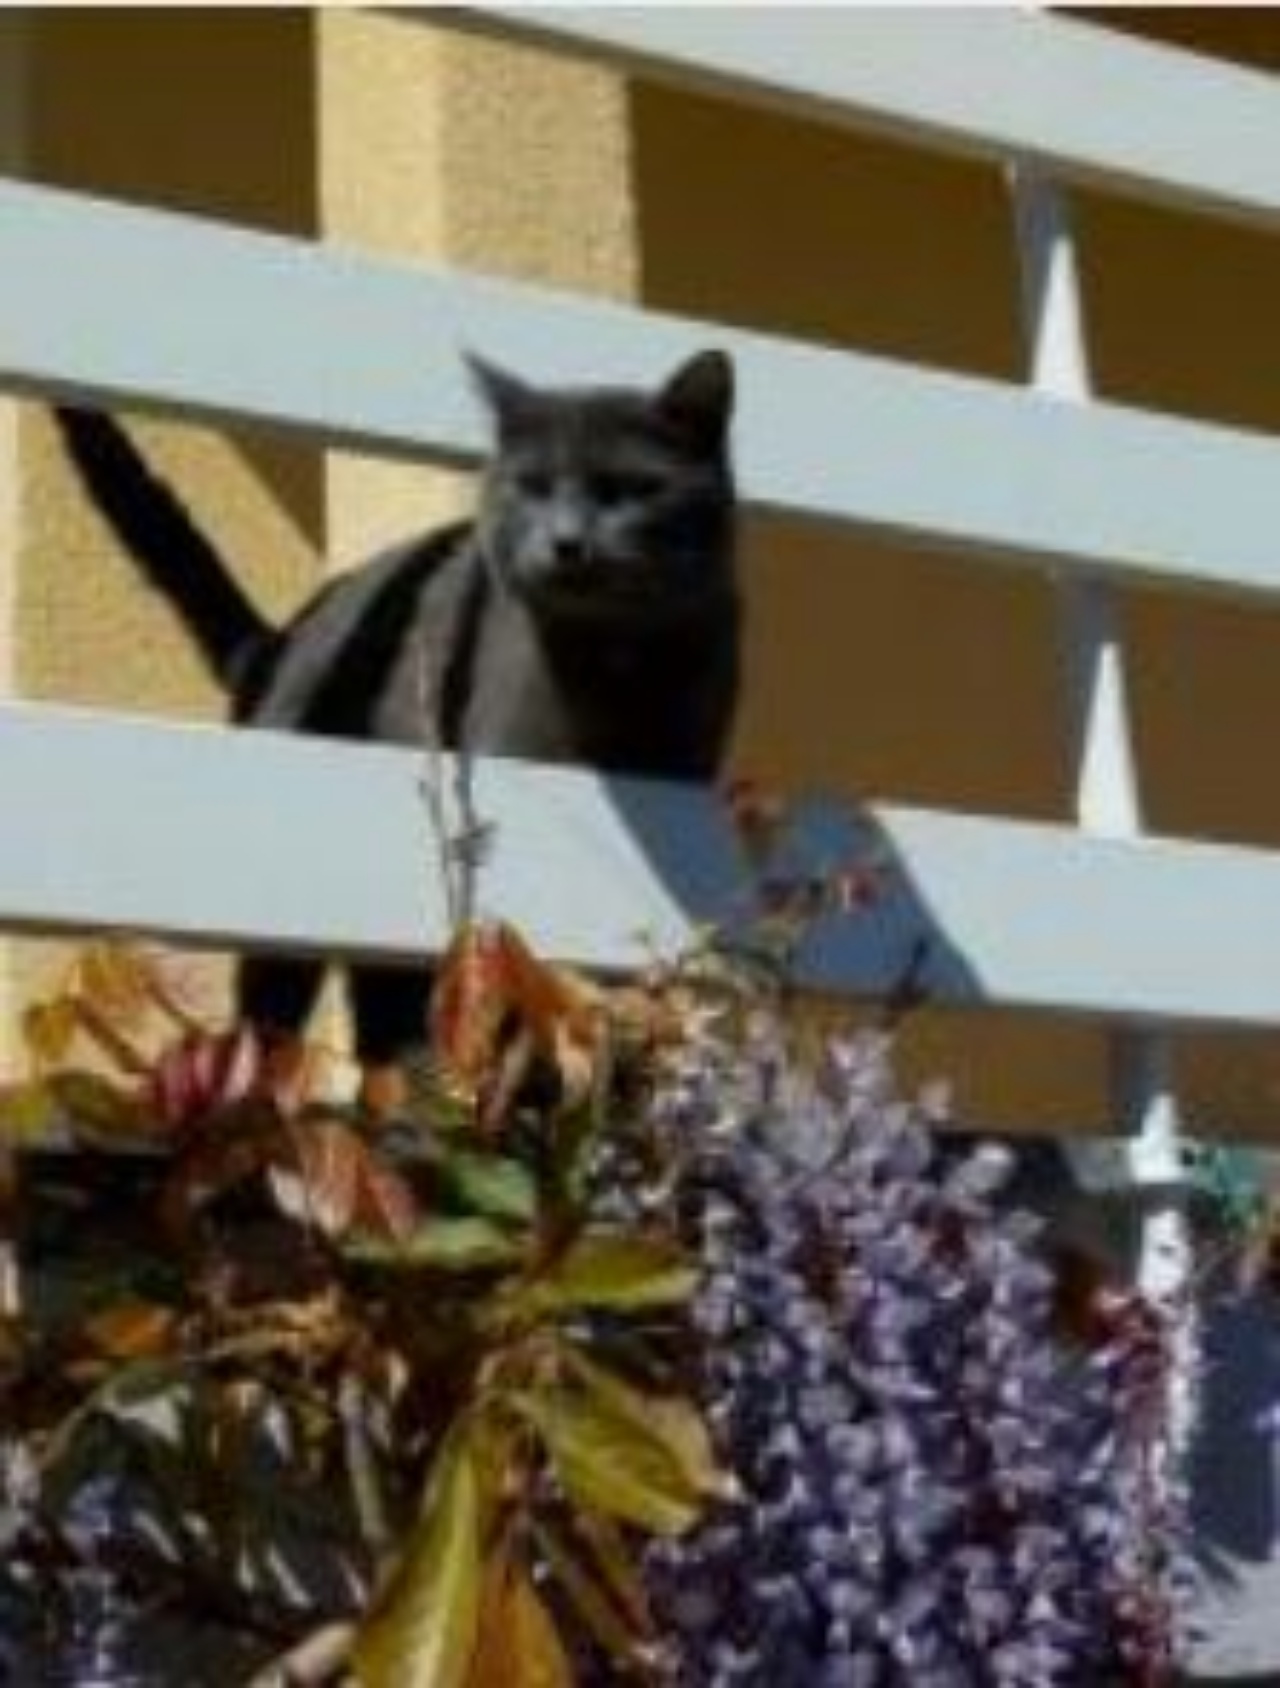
x=210, y=836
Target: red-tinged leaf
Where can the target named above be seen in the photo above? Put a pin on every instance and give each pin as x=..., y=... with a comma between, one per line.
x=314, y=1178
x=172, y=1087
x=203, y=1073
x=385, y=1203
x=131, y=1330
x=424, y=1630
x=235, y=1067
x=519, y=1645
x=608, y=1463
x=325, y=1175
x=614, y=1270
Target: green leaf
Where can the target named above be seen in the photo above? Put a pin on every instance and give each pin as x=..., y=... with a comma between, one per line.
x=613, y=1270
x=669, y=1419
x=492, y=1185
x=447, y=1245
x=424, y=1629
x=610, y=1464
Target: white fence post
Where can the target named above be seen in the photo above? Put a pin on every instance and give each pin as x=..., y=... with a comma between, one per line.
x=1107, y=799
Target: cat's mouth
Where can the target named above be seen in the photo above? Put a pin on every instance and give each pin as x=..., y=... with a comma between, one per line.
x=595, y=582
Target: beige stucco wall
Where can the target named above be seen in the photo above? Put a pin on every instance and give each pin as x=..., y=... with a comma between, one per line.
x=922, y=678
x=486, y=156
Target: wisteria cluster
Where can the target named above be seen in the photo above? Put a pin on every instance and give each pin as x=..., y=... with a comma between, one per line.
x=935, y=1490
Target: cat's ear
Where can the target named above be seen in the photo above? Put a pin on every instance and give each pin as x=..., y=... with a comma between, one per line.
x=509, y=400
x=698, y=399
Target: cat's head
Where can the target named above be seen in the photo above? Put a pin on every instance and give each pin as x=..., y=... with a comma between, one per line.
x=602, y=501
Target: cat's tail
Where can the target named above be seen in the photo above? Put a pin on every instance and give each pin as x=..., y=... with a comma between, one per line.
x=175, y=558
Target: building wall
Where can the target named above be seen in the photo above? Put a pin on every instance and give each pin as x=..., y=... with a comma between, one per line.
x=182, y=109
x=924, y=679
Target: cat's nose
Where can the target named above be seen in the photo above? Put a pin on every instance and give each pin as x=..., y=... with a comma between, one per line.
x=570, y=550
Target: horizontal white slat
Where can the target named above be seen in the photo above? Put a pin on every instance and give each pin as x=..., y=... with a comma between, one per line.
x=258, y=839
x=154, y=308
x=998, y=81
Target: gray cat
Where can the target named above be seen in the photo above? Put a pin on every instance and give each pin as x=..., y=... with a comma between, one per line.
x=589, y=615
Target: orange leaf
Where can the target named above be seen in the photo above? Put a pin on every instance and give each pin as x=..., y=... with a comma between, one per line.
x=519, y=1646
x=491, y=989
x=131, y=1330
x=470, y=1006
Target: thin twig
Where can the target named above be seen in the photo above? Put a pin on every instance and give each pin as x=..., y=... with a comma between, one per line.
x=461, y=838
x=432, y=781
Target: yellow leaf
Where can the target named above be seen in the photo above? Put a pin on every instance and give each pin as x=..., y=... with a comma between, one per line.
x=423, y=1631
x=115, y=980
x=47, y=1030
x=28, y=1112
